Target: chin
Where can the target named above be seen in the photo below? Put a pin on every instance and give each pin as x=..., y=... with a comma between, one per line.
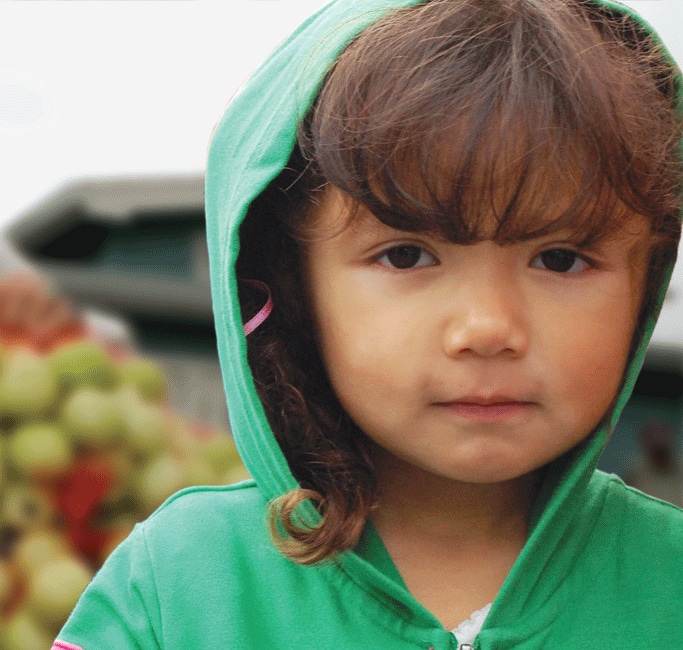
x=485, y=471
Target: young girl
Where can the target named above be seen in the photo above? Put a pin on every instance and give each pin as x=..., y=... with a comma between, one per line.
x=446, y=229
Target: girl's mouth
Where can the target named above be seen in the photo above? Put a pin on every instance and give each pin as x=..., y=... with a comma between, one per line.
x=499, y=410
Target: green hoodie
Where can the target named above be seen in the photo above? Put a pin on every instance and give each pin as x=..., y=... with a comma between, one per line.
x=603, y=564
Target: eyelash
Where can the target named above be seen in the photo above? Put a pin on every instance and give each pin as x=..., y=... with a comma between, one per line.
x=566, y=255
x=405, y=248
x=567, y=252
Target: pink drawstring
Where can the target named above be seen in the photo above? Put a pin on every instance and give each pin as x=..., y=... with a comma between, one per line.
x=263, y=313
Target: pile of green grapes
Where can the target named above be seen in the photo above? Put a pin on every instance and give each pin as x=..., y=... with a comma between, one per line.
x=88, y=447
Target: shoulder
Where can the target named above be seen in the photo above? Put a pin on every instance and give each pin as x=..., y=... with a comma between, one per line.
x=215, y=499
x=203, y=508
x=639, y=504
x=641, y=521
x=214, y=537
x=178, y=570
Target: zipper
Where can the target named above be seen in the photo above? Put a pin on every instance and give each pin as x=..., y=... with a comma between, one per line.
x=463, y=646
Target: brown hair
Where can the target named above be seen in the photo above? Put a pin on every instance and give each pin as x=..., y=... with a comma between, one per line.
x=437, y=118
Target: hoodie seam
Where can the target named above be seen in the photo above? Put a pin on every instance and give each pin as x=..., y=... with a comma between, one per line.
x=389, y=610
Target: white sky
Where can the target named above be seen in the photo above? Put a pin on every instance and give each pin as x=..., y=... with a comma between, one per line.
x=109, y=87
x=125, y=86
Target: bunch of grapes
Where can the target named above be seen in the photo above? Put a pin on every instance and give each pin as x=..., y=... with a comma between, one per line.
x=88, y=447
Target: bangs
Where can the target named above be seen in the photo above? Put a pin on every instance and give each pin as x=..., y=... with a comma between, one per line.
x=501, y=180
x=503, y=121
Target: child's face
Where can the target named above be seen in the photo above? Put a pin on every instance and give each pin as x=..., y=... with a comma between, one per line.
x=477, y=363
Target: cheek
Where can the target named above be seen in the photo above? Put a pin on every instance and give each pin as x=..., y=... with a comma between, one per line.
x=360, y=340
x=595, y=354
x=359, y=361
x=367, y=370
x=363, y=387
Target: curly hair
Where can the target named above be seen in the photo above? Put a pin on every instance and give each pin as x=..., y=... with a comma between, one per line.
x=436, y=118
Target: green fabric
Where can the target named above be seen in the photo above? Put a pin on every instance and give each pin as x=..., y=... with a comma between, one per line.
x=603, y=565
x=202, y=574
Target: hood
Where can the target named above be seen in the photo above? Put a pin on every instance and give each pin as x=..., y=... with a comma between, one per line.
x=250, y=146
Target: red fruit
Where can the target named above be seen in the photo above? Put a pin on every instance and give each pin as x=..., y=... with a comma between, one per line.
x=51, y=339
x=78, y=497
x=11, y=336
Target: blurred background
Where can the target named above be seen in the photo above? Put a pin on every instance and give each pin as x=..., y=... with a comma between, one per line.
x=106, y=110
x=111, y=397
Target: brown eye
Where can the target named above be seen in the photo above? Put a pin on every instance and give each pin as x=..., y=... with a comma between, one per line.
x=406, y=257
x=560, y=260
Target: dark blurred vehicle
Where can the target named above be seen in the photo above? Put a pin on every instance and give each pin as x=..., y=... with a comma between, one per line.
x=134, y=249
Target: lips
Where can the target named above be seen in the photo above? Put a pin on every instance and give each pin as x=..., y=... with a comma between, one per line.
x=488, y=409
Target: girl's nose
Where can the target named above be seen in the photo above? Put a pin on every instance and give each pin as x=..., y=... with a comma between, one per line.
x=487, y=322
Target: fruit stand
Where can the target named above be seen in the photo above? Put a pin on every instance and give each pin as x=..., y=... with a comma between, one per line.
x=89, y=445
x=134, y=248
